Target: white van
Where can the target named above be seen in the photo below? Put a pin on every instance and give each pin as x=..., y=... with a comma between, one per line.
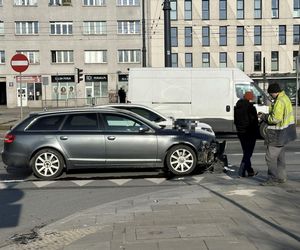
x=204, y=94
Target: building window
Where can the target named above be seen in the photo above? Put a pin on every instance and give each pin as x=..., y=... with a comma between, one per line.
x=174, y=37
x=129, y=27
x=240, y=35
x=274, y=60
x=60, y=2
x=95, y=56
x=240, y=60
x=128, y=2
x=1, y=28
x=223, y=59
x=94, y=28
x=188, y=10
x=27, y=28
x=2, y=56
x=223, y=35
x=32, y=55
x=257, y=61
x=205, y=60
x=205, y=36
x=295, y=55
x=282, y=34
x=257, y=9
x=188, y=36
x=257, y=35
x=240, y=9
x=1, y=2
x=93, y=2
x=205, y=9
x=275, y=8
x=129, y=56
x=62, y=56
x=25, y=2
x=223, y=9
x=296, y=8
x=34, y=91
x=61, y=28
x=188, y=60
x=296, y=34
x=174, y=58
x=173, y=12
x=96, y=89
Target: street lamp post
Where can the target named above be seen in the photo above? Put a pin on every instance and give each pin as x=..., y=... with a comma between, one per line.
x=167, y=33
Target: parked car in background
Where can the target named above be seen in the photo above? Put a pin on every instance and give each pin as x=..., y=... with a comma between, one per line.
x=162, y=120
x=50, y=142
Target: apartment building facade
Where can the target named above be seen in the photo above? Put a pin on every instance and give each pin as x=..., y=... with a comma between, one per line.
x=261, y=37
x=104, y=39
x=100, y=37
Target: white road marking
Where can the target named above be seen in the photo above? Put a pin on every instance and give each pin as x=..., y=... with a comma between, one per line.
x=11, y=181
x=156, y=180
x=244, y=192
x=242, y=154
x=226, y=177
x=82, y=182
x=198, y=179
x=120, y=181
x=42, y=183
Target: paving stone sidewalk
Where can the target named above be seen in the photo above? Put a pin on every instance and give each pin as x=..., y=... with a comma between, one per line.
x=212, y=215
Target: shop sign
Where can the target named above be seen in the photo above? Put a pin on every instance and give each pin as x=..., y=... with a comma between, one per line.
x=96, y=78
x=63, y=78
x=29, y=79
x=123, y=78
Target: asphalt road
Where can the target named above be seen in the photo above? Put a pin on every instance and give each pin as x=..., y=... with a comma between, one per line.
x=27, y=203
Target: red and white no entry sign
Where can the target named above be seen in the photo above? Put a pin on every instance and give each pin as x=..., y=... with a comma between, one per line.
x=19, y=63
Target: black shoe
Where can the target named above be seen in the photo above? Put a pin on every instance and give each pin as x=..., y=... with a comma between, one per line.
x=251, y=174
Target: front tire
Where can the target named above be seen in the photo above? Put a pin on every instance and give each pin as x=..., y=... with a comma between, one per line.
x=181, y=160
x=47, y=164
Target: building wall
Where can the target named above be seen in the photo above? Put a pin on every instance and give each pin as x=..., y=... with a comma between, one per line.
x=78, y=42
x=270, y=39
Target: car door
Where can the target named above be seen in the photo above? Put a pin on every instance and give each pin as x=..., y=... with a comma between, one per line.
x=126, y=144
x=82, y=140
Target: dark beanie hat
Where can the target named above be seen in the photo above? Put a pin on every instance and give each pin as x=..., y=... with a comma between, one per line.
x=274, y=88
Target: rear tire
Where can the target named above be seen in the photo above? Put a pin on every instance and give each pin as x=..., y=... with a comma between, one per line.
x=47, y=164
x=181, y=160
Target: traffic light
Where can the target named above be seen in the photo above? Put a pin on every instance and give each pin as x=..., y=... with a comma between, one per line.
x=79, y=73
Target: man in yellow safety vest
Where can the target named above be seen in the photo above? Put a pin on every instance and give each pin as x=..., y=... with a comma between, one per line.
x=280, y=131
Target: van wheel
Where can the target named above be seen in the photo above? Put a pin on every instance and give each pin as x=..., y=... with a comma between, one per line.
x=263, y=126
x=181, y=160
x=47, y=164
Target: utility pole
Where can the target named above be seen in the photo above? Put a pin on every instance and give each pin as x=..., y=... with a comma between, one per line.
x=143, y=34
x=167, y=33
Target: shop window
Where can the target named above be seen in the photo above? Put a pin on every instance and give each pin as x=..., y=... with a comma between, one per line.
x=34, y=91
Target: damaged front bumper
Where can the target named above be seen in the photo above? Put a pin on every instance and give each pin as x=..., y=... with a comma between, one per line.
x=213, y=153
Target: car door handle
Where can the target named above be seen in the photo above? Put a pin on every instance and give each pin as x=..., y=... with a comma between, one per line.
x=111, y=138
x=63, y=138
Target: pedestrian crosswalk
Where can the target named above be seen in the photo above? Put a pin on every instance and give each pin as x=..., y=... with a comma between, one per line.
x=6, y=184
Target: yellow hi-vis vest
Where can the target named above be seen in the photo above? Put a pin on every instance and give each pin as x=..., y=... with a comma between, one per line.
x=281, y=121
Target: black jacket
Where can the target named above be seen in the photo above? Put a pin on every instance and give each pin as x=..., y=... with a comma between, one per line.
x=245, y=117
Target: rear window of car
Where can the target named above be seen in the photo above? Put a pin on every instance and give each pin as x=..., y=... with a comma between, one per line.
x=52, y=122
x=87, y=121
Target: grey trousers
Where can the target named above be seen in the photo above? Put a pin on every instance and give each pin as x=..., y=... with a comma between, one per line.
x=275, y=158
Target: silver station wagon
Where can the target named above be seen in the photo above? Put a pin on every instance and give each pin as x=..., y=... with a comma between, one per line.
x=51, y=142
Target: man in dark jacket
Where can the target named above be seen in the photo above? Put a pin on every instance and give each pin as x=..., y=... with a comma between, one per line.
x=246, y=122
